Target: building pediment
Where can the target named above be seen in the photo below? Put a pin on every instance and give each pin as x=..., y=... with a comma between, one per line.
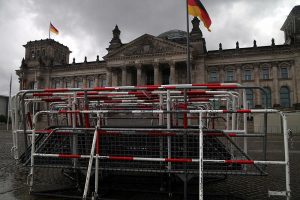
x=145, y=46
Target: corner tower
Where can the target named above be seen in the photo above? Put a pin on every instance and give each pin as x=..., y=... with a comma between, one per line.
x=40, y=57
x=196, y=37
x=47, y=51
x=291, y=27
x=115, y=42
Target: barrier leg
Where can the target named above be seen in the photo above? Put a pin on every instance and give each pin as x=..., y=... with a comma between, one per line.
x=200, y=157
x=89, y=170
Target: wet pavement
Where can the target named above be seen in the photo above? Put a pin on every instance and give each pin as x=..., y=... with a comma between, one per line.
x=13, y=177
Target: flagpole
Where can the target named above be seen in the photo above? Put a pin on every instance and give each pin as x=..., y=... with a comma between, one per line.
x=49, y=29
x=188, y=67
x=9, y=103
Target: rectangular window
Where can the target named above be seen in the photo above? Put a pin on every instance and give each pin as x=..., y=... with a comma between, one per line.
x=90, y=83
x=56, y=84
x=248, y=75
x=250, y=98
x=79, y=84
x=68, y=84
x=284, y=72
x=229, y=75
x=265, y=73
x=102, y=82
x=213, y=76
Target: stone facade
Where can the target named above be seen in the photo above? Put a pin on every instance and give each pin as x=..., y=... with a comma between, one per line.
x=162, y=59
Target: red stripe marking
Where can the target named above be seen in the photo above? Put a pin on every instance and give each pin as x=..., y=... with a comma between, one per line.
x=52, y=99
x=136, y=93
x=43, y=131
x=42, y=94
x=244, y=111
x=69, y=111
x=178, y=160
x=148, y=87
x=238, y=111
x=101, y=132
x=170, y=87
x=69, y=156
x=120, y=158
x=232, y=134
x=246, y=162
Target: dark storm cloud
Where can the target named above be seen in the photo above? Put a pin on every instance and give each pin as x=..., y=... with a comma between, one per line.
x=85, y=25
x=93, y=20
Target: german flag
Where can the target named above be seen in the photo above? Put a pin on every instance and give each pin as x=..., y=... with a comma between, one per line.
x=53, y=29
x=196, y=9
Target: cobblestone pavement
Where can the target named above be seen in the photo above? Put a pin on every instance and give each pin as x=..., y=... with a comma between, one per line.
x=13, y=177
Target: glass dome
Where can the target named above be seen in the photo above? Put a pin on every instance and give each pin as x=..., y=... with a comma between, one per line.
x=173, y=34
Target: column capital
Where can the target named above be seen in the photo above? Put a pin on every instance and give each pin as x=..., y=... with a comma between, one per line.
x=138, y=65
x=123, y=67
x=155, y=65
x=172, y=63
x=124, y=75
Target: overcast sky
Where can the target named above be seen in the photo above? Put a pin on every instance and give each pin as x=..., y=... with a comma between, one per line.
x=85, y=26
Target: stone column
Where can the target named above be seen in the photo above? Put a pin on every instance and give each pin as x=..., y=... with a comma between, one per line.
x=237, y=77
x=108, y=77
x=139, y=74
x=239, y=74
x=296, y=66
x=156, y=74
x=222, y=77
x=172, y=73
x=73, y=82
x=275, y=89
x=61, y=82
x=124, y=76
x=257, y=84
x=84, y=81
x=96, y=84
x=294, y=83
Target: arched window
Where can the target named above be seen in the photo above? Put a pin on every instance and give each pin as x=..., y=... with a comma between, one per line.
x=285, y=97
x=265, y=73
x=248, y=74
x=249, y=98
x=269, y=98
x=229, y=75
x=213, y=76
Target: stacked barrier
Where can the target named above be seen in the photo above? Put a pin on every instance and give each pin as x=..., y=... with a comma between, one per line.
x=158, y=129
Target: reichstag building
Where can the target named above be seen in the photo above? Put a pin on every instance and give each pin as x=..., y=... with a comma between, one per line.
x=161, y=59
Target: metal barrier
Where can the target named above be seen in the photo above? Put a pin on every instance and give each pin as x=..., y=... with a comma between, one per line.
x=176, y=130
